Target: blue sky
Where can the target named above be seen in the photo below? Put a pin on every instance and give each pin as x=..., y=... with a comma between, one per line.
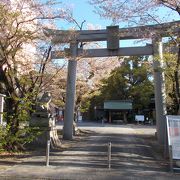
x=82, y=10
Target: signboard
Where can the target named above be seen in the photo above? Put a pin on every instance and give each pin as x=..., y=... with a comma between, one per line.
x=79, y=118
x=173, y=131
x=113, y=37
x=139, y=118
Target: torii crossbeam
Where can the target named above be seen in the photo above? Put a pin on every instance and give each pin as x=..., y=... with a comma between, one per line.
x=140, y=32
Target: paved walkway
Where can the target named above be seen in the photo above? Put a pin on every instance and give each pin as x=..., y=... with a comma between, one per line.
x=132, y=157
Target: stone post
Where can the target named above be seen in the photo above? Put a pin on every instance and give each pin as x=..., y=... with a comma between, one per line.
x=160, y=96
x=125, y=117
x=70, y=93
x=110, y=118
x=1, y=107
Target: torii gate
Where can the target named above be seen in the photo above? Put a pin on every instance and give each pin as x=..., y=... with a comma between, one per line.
x=112, y=35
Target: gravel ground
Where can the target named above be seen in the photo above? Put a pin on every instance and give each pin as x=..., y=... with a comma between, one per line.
x=135, y=155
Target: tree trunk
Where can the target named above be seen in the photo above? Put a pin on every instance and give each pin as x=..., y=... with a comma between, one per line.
x=176, y=75
x=11, y=112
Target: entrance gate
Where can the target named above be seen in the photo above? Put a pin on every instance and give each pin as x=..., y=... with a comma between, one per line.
x=112, y=35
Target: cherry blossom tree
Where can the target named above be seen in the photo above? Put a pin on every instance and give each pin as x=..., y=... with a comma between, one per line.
x=134, y=11
x=25, y=64
x=143, y=12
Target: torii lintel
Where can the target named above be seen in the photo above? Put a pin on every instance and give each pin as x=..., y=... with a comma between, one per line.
x=66, y=36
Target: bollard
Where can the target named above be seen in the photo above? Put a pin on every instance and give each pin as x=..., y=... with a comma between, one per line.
x=109, y=155
x=47, y=152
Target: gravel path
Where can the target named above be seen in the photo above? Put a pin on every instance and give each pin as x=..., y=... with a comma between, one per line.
x=132, y=157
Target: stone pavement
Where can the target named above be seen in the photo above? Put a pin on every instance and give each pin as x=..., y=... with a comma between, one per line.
x=86, y=157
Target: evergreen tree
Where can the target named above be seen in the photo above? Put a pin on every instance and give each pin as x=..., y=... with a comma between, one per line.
x=131, y=81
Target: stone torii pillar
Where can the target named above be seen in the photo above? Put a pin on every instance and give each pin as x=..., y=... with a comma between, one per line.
x=160, y=96
x=1, y=107
x=70, y=93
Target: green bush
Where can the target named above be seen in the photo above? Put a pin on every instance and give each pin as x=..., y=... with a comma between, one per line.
x=17, y=132
x=16, y=142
